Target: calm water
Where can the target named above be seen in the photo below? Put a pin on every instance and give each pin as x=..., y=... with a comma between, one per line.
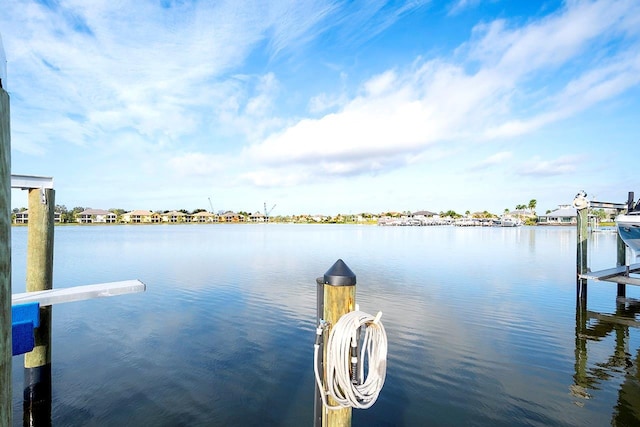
x=482, y=326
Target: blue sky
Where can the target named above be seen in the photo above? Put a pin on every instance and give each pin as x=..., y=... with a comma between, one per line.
x=324, y=106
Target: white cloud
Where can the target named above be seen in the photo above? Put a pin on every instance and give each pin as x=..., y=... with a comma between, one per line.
x=542, y=168
x=324, y=102
x=401, y=112
x=493, y=160
x=133, y=82
x=150, y=74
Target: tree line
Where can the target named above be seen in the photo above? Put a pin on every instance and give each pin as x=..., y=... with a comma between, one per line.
x=70, y=215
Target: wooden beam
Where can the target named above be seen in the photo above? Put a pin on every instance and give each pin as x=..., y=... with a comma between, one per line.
x=27, y=182
x=611, y=272
x=79, y=293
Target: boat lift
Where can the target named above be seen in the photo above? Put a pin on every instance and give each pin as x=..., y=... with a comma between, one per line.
x=25, y=307
x=622, y=274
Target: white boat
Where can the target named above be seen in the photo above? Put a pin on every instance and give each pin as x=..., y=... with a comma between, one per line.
x=629, y=229
x=508, y=221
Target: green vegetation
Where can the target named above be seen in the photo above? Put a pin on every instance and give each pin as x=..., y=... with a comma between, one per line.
x=525, y=212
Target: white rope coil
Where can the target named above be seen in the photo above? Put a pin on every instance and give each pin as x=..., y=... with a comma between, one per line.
x=344, y=385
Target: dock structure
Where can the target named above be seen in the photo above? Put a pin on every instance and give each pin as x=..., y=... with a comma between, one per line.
x=595, y=326
x=25, y=319
x=34, y=332
x=623, y=274
x=78, y=293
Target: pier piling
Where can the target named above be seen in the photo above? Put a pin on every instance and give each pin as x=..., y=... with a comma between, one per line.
x=5, y=259
x=338, y=298
x=581, y=204
x=37, y=363
x=622, y=249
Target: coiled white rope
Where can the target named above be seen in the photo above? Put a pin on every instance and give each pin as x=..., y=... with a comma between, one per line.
x=345, y=370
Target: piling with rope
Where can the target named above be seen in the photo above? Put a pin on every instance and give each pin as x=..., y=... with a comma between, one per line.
x=339, y=298
x=350, y=353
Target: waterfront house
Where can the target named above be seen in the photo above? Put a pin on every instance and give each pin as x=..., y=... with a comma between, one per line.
x=257, y=217
x=23, y=217
x=422, y=217
x=89, y=216
x=564, y=215
x=140, y=216
x=317, y=218
x=232, y=217
x=175, y=216
x=423, y=214
x=204, y=216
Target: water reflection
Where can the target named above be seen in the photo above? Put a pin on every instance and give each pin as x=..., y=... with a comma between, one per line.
x=480, y=325
x=37, y=396
x=618, y=366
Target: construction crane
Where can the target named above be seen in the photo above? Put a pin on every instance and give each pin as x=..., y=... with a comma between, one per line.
x=210, y=204
x=267, y=212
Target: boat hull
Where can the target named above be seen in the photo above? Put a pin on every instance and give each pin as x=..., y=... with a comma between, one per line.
x=629, y=230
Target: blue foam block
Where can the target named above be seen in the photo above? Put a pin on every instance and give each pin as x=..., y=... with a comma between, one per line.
x=24, y=318
x=26, y=313
x=22, y=336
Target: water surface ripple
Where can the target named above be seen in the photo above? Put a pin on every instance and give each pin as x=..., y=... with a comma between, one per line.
x=482, y=323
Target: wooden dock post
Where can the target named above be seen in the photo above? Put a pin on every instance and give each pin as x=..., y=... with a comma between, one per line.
x=621, y=260
x=39, y=277
x=581, y=204
x=339, y=298
x=6, y=418
x=622, y=249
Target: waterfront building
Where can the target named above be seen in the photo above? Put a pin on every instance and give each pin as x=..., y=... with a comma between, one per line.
x=564, y=215
x=90, y=216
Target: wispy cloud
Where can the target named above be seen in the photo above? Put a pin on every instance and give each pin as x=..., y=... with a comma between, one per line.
x=211, y=92
x=154, y=77
x=459, y=6
x=403, y=111
x=544, y=168
x=491, y=161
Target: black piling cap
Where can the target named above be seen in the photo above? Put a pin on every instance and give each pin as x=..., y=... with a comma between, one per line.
x=339, y=275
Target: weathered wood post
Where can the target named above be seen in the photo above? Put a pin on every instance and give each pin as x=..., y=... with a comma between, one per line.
x=37, y=363
x=581, y=204
x=339, y=298
x=622, y=249
x=5, y=254
x=317, y=404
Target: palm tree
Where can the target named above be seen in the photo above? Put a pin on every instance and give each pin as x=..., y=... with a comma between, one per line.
x=532, y=205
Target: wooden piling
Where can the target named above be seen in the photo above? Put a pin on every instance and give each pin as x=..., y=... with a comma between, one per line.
x=621, y=260
x=622, y=249
x=339, y=298
x=5, y=261
x=37, y=363
x=582, y=235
